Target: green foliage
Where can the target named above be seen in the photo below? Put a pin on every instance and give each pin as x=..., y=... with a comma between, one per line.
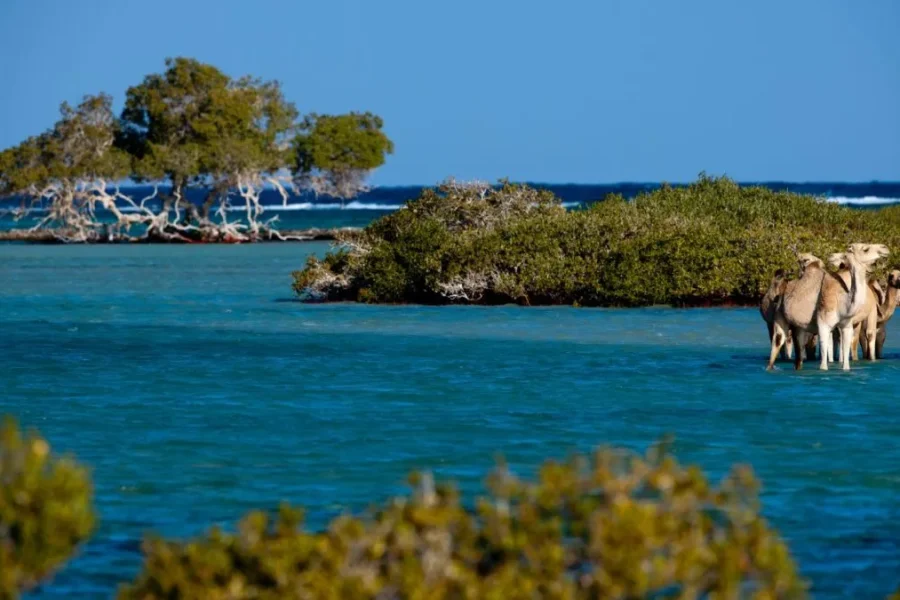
x=614, y=526
x=711, y=242
x=191, y=125
x=45, y=510
x=78, y=147
x=193, y=122
x=333, y=154
x=610, y=525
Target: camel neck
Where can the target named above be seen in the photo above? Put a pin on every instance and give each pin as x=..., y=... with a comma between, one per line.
x=890, y=301
x=857, y=284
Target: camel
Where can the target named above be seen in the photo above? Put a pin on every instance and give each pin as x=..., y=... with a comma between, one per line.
x=840, y=303
x=865, y=322
x=769, y=306
x=886, y=307
x=795, y=310
x=820, y=302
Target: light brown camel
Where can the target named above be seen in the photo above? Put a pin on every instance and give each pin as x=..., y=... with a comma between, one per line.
x=795, y=311
x=886, y=308
x=820, y=302
x=865, y=322
x=769, y=305
x=839, y=304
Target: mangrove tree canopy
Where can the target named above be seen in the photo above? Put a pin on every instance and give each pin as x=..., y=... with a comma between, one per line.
x=334, y=152
x=190, y=126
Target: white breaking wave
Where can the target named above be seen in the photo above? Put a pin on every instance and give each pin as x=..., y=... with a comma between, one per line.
x=337, y=206
x=354, y=205
x=864, y=200
x=321, y=206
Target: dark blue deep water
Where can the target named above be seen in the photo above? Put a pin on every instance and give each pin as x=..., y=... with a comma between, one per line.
x=307, y=211
x=196, y=391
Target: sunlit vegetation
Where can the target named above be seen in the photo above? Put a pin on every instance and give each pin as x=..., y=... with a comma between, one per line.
x=46, y=510
x=191, y=126
x=712, y=242
x=614, y=524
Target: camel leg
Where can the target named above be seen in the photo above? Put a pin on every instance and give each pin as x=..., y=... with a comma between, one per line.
x=826, y=338
x=785, y=348
x=834, y=348
x=788, y=347
x=854, y=342
x=879, y=342
x=778, y=338
x=799, y=343
x=871, y=325
x=810, y=346
x=846, y=339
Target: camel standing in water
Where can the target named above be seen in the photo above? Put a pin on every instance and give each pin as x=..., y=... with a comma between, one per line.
x=886, y=308
x=769, y=306
x=866, y=320
x=840, y=304
x=819, y=302
x=795, y=310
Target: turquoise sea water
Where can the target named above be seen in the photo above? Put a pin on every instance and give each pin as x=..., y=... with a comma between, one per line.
x=197, y=390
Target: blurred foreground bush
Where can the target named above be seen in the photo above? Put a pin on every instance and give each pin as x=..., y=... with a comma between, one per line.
x=45, y=510
x=613, y=526
x=712, y=242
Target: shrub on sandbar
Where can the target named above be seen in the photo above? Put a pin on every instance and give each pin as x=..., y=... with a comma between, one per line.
x=711, y=242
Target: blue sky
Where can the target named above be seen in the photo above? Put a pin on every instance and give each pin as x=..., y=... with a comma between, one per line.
x=570, y=91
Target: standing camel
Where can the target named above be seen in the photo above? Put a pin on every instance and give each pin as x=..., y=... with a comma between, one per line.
x=886, y=308
x=820, y=302
x=769, y=305
x=839, y=304
x=865, y=322
x=796, y=309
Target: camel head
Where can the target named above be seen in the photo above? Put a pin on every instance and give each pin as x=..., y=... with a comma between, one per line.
x=807, y=260
x=866, y=254
x=779, y=282
x=838, y=260
x=893, y=279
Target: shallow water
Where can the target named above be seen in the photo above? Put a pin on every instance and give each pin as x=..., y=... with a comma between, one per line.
x=196, y=391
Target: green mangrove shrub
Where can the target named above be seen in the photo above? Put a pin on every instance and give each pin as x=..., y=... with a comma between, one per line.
x=46, y=510
x=615, y=525
x=711, y=242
